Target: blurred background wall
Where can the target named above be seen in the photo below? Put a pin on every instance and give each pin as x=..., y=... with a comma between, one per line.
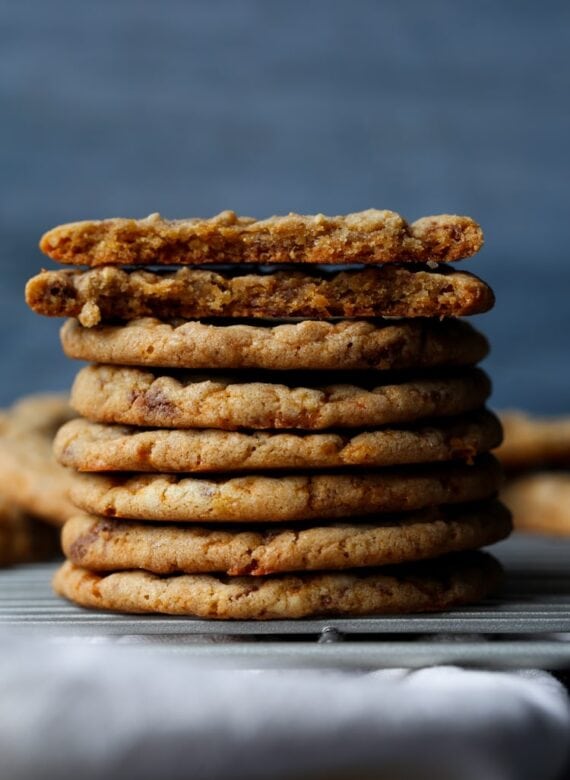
x=189, y=107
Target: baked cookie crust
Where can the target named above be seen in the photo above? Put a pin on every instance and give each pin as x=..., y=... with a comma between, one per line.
x=112, y=545
x=88, y=446
x=432, y=586
x=108, y=294
x=283, y=498
x=372, y=236
x=292, y=346
x=130, y=396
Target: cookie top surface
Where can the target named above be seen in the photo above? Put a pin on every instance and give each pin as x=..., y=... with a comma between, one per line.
x=130, y=396
x=308, y=344
x=531, y=441
x=419, y=587
x=88, y=446
x=110, y=294
x=282, y=498
x=372, y=236
x=112, y=545
x=29, y=475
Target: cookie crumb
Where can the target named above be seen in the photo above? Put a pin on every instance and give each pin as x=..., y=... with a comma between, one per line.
x=90, y=315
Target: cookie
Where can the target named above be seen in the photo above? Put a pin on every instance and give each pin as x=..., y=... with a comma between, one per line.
x=304, y=345
x=41, y=413
x=531, y=442
x=30, y=477
x=131, y=396
x=428, y=586
x=87, y=446
x=282, y=498
x=22, y=539
x=371, y=236
x=111, y=545
x=104, y=294
x=540, y=502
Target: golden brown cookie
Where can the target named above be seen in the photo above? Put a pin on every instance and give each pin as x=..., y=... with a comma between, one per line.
x=88, y=446
x=428, y=586
x=531, y=441
x=255, y=498
x=23, y=539
x=110, y=294
x=371, y=236
x=30, y=477
x=110, y=545
x=130, y=396
x=304, y=345
x=540, y=502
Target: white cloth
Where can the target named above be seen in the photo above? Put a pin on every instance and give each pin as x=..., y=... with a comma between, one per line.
x=86, y=712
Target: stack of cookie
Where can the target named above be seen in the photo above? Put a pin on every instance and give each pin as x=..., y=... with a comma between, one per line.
x=268, y=438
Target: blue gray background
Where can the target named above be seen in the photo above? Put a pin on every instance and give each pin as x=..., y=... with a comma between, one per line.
x=188, y=108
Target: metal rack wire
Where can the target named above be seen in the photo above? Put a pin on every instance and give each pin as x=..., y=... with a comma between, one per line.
x=524, y=626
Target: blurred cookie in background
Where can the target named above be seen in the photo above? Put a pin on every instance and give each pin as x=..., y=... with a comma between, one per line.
x=536, y=457
x=540, y=502
x=30, y=478
x=23, y=539
x=532, y=442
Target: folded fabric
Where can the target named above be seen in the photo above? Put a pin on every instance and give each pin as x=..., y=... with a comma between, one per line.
x=98, y=711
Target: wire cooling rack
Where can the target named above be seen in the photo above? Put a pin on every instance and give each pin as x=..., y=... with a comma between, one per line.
x=525, y=626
